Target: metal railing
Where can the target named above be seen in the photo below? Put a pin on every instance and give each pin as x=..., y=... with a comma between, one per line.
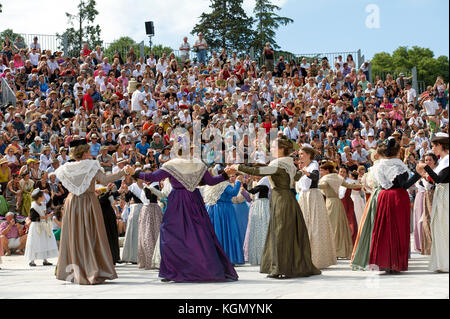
x=7, y=94
x=47, y=41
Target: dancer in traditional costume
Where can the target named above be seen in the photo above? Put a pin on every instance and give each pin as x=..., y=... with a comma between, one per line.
x=130, y=244
x=439, y=216
x=358, y=201
x=150, y=220
x=223, y=218
x=106, y=198
x=41, y=243
x=312, y=204
x=349, y=206
x=190, y=250
x=287, y=251
x=85, y=257
x=418, y=213
x=242, y=210
x=425, y=221
x=391, y=232
x=361, y=249
x=258, y=221
x=167, y=189
x=329, y=184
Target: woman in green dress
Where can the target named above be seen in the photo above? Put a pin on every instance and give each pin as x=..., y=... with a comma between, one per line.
x=26, y=186
x=361, y=250
x=287, y=251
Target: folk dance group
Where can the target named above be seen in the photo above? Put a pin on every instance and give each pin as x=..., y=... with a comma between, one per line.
x=207, y=226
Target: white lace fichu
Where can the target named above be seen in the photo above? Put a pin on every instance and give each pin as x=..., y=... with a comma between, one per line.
x=286, y=163
x=387, y=170
x=77, y=176
x=211, y=194
x=188, y=172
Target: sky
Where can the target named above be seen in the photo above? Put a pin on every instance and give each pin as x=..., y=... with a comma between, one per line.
x=319, y=26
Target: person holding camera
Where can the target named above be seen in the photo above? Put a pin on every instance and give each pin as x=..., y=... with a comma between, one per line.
x=12, y=235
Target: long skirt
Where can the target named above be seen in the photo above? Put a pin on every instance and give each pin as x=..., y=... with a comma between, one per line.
x=361, y=250
x=26, y=203
x=391, y=233
x=242, y=211
x=358, y=204
x=85, y=257
x=439, y=229
x=321, y=238
x=418, y=213
x=350, y=212
x=339, y=227
x=190, y=250
x=227, y=231
x=256, y=234
x=156, y=259
x=130, y=245
x=287, y=250
x=41, y=244
x=110, y=220
x=150, y=220
x=426, y=222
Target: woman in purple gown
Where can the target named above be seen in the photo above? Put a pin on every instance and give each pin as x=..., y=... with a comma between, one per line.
x=190, y=250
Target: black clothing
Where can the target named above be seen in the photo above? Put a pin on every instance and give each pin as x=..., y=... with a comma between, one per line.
x=109, y=218
x=404, y=181
x=263, y=191
x=442, y=177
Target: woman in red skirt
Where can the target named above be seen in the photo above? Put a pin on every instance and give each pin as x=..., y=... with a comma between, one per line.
x=345, y=196
x=391, y=233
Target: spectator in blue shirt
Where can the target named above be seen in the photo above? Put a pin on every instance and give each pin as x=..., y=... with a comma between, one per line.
x=95, y=147
x=143, y=146
x=358, y=98
x=352, y=119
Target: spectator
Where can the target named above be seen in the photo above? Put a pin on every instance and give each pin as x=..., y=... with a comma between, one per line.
x=12, y=236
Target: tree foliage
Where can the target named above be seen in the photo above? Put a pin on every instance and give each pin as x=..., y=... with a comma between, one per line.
x=227, y=26
x=404, y=59
x=10, y=33
x=267, y=22
x=83, y=29
x=123, y=45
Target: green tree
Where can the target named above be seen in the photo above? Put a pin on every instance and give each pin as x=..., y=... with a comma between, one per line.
x=403, y=59
x=10, y=33
x=227, y=26
x=123, y=45
x=82, y=28
x=267, y=22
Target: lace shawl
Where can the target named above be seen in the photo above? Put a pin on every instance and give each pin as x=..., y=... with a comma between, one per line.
x=77, y=176
x=211, y=194
x=188, y=172
x=286, y=163
x=387, y=170
x=44, y=224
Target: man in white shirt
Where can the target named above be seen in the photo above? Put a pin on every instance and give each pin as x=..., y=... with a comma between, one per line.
x=291, y=131
x=411, y=95
x=185, y=49
x=201, y=47
x=431, y=106
x=137, y=99
x=52, y=64
x=34, y=57
x=151, y=61
x=367, y=130
x=162, y=64
x=361, y=155
x=100, y=79
x=138, y=71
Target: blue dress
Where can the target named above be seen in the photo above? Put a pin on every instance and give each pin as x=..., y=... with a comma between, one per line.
x=242, y=211
x=223, y=218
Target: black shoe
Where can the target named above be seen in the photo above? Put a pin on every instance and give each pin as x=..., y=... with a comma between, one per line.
x=46, y=263
x=32, y=264
x=166, y=280
x=273, y=276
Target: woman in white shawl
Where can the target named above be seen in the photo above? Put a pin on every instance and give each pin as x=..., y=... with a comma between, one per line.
x=312, y=203
x=439, y=212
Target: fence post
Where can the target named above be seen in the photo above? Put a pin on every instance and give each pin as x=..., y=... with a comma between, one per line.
x=370, y=73
x=359, y=58
x=415, y=83
x=141, y=49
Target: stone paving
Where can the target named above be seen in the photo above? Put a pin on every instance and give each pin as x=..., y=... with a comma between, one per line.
x=18, y=280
